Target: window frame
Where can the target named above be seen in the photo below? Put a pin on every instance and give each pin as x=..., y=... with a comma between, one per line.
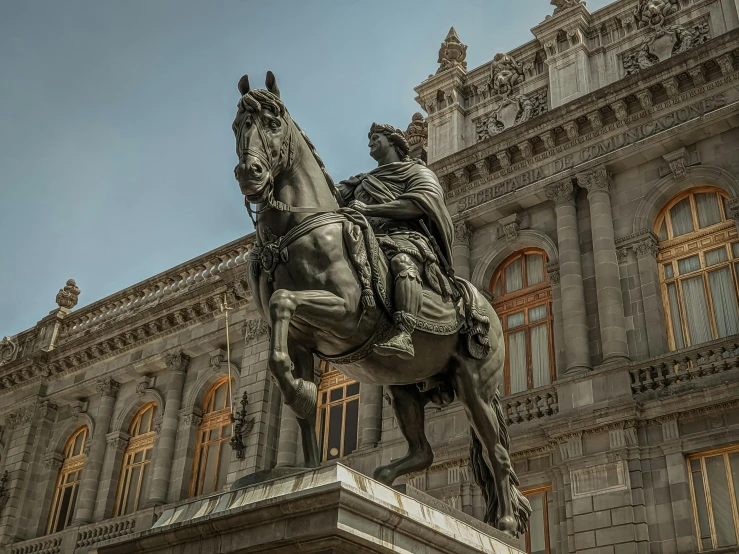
x=219, y=418
x=724, y=452
x=74, y=463
x=139, y=442
x=696, y=243
x=543, y=490
x=523, y=300
x=333, y=379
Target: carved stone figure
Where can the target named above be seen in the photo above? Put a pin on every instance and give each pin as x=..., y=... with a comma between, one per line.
x=652, y=13
x=664, y=42
x=326, y=289
x=452, y=52
x=511, y=110
x=505, y=73
x=562, y=5
x=8, y=350
x=68, y=296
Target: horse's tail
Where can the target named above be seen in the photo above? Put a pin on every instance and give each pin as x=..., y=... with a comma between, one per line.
x=486, y=481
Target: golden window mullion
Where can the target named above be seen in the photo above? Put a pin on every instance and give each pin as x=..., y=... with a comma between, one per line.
x=694, y=211
x=709, y=504
x=732, y=494
x=687, y=339
x=343, y=425
x=529, y=360
x=709, y=303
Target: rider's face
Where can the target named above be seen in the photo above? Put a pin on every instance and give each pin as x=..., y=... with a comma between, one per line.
x=379, y=146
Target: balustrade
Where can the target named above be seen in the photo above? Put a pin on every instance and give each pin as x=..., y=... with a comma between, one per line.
x=530, y=404
x=682, y=366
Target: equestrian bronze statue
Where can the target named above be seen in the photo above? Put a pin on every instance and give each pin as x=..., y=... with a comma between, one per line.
x=360, y=275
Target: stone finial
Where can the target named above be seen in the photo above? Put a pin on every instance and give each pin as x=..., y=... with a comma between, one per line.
x=452, y=52
x=417, y=131
x=505, y=73
x=562, y=5
x=68, y=296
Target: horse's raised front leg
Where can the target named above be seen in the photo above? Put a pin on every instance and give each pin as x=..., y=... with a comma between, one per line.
x=303, y=360
x=408, y=404
x=322, y=306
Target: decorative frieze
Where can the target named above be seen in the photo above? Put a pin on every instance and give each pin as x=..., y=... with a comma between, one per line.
x=599, y=479
x=510, y=110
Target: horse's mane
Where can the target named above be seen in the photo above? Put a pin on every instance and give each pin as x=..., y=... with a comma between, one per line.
x=256, y=99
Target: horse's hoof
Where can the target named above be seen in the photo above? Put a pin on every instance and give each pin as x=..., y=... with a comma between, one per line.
x=384, y=475
x=508, y=525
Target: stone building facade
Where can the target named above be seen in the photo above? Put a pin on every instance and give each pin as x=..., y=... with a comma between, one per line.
x=593, y=177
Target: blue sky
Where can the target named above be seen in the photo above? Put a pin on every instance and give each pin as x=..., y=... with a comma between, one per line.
x=116, y=151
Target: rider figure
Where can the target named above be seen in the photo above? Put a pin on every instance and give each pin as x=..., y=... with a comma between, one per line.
x=395, y=197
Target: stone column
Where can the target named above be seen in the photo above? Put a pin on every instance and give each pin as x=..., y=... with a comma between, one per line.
x=370, y=415
x=654, y=310
x=95, y=452
x=461, y=249
x=177, y=364
x=287, y=446
x=560, y=362
x=607, y=278
x=570, y=269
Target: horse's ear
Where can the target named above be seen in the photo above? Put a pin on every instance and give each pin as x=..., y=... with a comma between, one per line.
x=271, y=84
x=244, y=85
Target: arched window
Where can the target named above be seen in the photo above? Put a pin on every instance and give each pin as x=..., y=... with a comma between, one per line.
x=68, y=482
x=522, y=297
x=338, y=414
x=212, y=452
x=698, y=258
x=133, y=488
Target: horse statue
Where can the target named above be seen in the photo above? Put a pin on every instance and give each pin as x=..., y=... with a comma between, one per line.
x=321, y=283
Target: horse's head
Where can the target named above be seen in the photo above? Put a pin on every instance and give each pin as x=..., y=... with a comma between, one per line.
x=263, y=138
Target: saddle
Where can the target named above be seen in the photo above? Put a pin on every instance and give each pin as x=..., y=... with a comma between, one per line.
x=439, y=315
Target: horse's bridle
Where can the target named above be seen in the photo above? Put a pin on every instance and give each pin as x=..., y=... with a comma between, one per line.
x=270, y=202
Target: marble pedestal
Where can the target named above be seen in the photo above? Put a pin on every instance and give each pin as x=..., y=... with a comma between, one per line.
x=328, y=510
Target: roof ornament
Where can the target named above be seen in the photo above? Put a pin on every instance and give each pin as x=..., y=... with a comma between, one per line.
x=452, y=52
x=68, y=296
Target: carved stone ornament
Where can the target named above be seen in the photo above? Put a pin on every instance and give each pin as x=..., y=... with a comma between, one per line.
x=653, y=13
x=662, y=43
x=54, y=460
x=255, y=328
x=4, y=493
x=417, y=132
x=108, y=388
x=510, y=111
x=505, y=74
x=561, y=192
x=678, y=162
x=596, y=180
x=510, y=225
x=8, y=350
x=178, y=362
x=646, y=247
x=452, y=52
x=462, y=233
x=562, y=5
x=21, y=417
x=621, y=255
x=68, y=296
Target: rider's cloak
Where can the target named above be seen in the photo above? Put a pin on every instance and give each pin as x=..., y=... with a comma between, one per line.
x=410, y=181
